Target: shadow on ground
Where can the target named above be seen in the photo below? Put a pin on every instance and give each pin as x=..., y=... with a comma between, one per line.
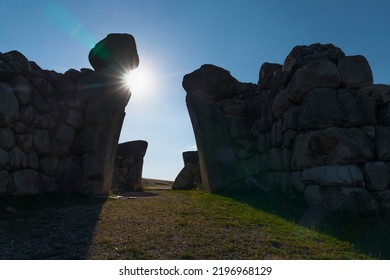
x=48, y=226
x=369, y=234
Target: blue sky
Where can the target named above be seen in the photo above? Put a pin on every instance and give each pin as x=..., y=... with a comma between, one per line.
x=177, y=37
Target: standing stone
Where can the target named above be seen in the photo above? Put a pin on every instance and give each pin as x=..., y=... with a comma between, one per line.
x=355, y=71
x=115, y=52
x=190, y=156
x=186, y=178
x=377, y=175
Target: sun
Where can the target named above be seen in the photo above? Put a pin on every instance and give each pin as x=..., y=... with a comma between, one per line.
x=139, y=80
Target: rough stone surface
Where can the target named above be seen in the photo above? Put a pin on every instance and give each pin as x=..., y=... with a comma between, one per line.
x=9, y=106
x=128, y=166
x=115, y=52
x=334, y=176
x=332, y=146
x=355, y=71
x=352, y=200
x=377, y=175
x=382, y=137
x=186, y=179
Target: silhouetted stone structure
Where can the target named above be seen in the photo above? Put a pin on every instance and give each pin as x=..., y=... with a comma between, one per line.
x=128, y=166
x=59, y=132
x=315, y=127
x=189, y=177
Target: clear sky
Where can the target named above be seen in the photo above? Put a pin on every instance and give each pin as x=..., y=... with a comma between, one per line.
x=176, y=37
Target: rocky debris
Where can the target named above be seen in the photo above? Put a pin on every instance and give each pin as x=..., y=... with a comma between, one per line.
x=128, y=166
x=315, y=127
x=46, y=116
x=114, y=53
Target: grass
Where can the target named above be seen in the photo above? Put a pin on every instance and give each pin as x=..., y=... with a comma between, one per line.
x=171, y=225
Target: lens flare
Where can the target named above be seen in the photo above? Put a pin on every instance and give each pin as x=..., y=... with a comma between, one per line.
x=139, y=80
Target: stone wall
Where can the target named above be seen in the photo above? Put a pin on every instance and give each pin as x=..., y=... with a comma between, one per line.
x=128, y=166
x=315, y=127
x=59, y=132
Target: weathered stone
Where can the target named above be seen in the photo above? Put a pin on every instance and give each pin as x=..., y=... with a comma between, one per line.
x=4, y=159
x=45, y=121
x=215, y=81
x=115, y=52
x=218, y=162
x=48, y=165
x=264, y=143
x=72, y=118
x=129, y=158
x=266, y=74
x=382, y=197
x=75, y=104
x=234, y=107
x=6, y=71
x=42, y=141
x=185, y=179
x=297, y=182
x=281, y=103
x=289, y=138
x=28, y=115
x=43, y=87
x=5, y=180
x=384, y=115
x=325, y=107
x=20, y=128
x=254, y=107
x=277, y=133
x=300, y=55
x=9, y=106
x=239, y=128
x=17, y=158
x=291, y=118
x=25, y=182
x=369, y=131
x=279, y=159
x=63, y=140
x=334, y=176
x=7, y=138
x=331, y=146
x=24, y=141
x=314, y=74
x=355, y=71
x=251, y=166
x=244, y=148
x=190, y=156
x=22, y=90
x=351, y=200
x=70, y=177
x=382, y=142
x=32, y=160
x=380, y=93
x=40, y=104
x=18, y=62
x=376, y=175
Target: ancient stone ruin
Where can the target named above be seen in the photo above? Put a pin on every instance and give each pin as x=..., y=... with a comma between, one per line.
x=189, y=177
x=59, y=132
x=128, y=166
x=315, y=127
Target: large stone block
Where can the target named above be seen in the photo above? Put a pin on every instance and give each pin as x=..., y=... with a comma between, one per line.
x=332, y=146
x=376, y=175
x=324, y=107
x=7, y=138
x=115, y=52
x=314, y=74
x=279, y=159
x=240, y=128
x=355, y=71
x=244, y=148
x=9, y=105
x=266, y=74
x=63, y=140
x=382, y=141
x=334, y=176
x=4, y=158
x=186, y=178
x=22, y=89
x=234, y=107
x=344, y=199
x=42, y=141
x=5, y=180
x=25, y=182
x=379, y=92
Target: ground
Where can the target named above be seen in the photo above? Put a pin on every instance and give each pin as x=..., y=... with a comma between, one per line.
x=159, y=223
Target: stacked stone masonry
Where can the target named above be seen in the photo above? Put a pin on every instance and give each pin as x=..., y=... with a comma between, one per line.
x=58, y=132
x=315, y=127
